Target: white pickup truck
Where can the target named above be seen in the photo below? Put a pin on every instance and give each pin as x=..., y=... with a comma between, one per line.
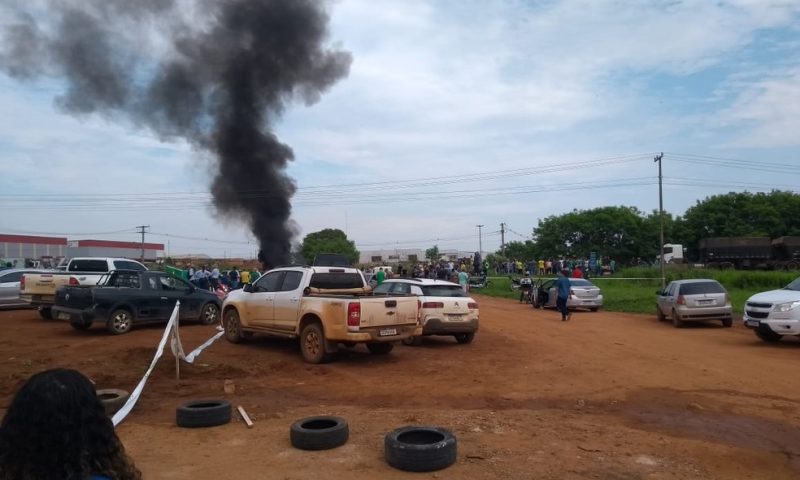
x=774, y=314
x=323, y=307
x=39, y=289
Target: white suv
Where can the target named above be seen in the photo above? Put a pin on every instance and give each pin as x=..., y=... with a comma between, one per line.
x=445, y=309
x=775, y=313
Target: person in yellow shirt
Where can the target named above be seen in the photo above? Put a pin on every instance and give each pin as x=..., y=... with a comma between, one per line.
x=245, y=276
x=541, y=267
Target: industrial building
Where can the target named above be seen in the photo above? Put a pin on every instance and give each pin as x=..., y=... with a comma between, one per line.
x=28, y=250
x=16, y=249
x=412, y=255
x=109, y=248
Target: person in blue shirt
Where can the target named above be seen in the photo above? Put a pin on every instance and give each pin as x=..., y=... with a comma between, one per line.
x=57, y=428
x=563, y=286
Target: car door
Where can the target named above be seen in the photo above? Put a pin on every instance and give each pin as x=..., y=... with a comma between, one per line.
x=174, y=289
x=665, y=299
x=260, y=303
x=9, y=288
x=287, y=301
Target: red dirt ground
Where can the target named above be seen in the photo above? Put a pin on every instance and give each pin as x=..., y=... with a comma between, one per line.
x=604, y=396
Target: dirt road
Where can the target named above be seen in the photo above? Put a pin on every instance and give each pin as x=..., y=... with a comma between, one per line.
x=606, y=395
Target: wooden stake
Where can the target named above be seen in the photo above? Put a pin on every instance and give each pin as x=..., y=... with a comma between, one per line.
x=245, y=417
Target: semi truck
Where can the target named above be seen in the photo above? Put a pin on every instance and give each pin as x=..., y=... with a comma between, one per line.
x=750, y=253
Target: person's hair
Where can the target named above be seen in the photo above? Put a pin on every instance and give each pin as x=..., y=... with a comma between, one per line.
x=56, y=427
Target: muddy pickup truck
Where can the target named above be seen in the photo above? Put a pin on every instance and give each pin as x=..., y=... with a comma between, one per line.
x=39, y=289
x=323, y=307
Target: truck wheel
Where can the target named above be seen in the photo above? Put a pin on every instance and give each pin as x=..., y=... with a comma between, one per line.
x=768, y=335
x=233, y=327
x=312, y=344
x=464, y=338
x=209, y=315
x=120, y=322
x=676, y=320
x=727, y=322
x=660, y=315
x=45, y=313
x=81, y=325
x=380, y=348
x=413, y=341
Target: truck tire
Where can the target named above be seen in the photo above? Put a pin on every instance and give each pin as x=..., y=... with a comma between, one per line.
x=81, y=325
x=727, y=322
x=767, y=335
x=793, y=266
x=464, y=338
x=413, y=341
x=676, y=320
x=46, y=313
x=112, y=399
x=660, y=315
x=312, y=344
x=209, y=314
x=319, y=433
x=120, y=321
x=232, y=326
x=377, y=348
x=420, y=449
x=203, y=413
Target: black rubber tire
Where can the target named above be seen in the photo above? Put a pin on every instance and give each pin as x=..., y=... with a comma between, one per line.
x=380, y=348
x=232, y=326
x=319, y=433
x=46, y=313
x=660, y=315
x=768, y=335
x=594, y=309
x=209, y=314
x=312, y=344
x=112, y=399
x=420, y=448
x=464, y=338
x=120, y=321
x=203, y=413
x=413, y=341
x=676, y=320
x=81, y=325
x=727, y=322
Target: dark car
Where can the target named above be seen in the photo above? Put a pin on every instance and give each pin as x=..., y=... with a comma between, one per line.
x=126, y=297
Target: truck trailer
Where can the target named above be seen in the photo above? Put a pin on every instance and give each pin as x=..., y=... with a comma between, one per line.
x=750, y=253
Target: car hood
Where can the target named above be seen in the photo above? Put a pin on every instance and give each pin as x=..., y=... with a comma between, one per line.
x=775, y=296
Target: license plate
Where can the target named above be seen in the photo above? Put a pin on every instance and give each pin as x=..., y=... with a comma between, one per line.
x=454, y=317
x=706, y=302
x=387, y=332
x=751, y=323
x=63, y=316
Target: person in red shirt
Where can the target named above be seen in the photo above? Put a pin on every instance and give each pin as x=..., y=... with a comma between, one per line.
x=577, y=273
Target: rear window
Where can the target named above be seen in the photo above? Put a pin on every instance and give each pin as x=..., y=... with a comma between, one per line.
x=88, y=266
x=579, y=282
x=125, y=280
x=700, y=288
x=336, y=280
x=128, y=265
x=443, y=291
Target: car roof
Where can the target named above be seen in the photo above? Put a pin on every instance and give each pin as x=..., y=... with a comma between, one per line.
x=694, y=280
x=26, y=270
x=421, y=281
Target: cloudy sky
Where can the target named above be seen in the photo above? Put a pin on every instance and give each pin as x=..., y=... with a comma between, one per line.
x=454, y=114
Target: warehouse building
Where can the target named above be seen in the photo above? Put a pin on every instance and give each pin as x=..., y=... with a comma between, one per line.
x=412, y=255
x=109, y=248
x=18, y=249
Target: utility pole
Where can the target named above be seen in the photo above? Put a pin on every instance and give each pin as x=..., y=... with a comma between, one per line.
x=480, y=240
x=143, y=229
x=657, y=159
x=503, y=239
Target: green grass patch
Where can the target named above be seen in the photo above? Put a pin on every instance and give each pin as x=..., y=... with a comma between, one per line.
x=639, y=296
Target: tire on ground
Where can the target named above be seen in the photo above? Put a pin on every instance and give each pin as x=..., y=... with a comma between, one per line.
x=81, y=324
x=766, y=334
x=420, y=448
x=112, y=399
x=413, y=341
x=378, y=348
x=203, y=413
x=45, y=313
x=464, y=338
x=319, y=433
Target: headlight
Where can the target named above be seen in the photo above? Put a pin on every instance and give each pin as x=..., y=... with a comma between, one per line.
x=785, y=307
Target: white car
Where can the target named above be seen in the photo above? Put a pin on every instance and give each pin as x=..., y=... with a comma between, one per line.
x=445, y=309
x=774, y=314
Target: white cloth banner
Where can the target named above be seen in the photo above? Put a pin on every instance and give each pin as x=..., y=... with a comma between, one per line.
x=171, y=333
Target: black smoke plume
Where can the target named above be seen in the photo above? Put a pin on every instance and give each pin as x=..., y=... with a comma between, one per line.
x=216, y=73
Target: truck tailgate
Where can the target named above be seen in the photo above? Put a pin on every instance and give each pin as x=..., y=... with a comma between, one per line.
x=74, y=297
x=43, y=283
x=381, y=311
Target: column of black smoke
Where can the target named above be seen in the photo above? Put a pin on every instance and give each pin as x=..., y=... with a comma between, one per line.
x=220, y=80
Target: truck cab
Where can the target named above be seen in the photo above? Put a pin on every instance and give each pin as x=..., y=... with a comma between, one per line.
x=672, y=253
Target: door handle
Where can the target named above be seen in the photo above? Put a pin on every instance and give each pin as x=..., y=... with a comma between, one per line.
x=390, y=312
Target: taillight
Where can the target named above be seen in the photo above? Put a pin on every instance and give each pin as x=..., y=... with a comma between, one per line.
x=419, y=309
x=473, y=305
x=22, y=282
x=354, y=314
x=73, y=282
x=681, y=300
x=433, y=305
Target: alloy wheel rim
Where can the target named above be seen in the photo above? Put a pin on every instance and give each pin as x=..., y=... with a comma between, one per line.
x=312, y=343
x=121, y=321
x=211, y=313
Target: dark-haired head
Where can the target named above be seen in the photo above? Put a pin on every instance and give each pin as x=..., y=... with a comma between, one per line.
x=56, y=427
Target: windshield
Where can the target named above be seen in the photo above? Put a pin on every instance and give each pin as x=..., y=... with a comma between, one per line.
x=699, y=288
x=794, y=285
x=443, y=291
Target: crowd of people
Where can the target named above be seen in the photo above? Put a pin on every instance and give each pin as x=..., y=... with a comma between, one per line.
x=215, y=279
x=553, y=266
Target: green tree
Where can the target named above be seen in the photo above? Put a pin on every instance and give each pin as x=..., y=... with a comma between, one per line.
x=432, y=253
x=330, y=240
x=522, y=251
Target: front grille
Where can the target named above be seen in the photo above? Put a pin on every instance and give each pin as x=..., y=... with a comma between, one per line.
x=753, y=314
x=759, y=305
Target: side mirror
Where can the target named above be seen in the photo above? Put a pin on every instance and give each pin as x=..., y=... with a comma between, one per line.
x=248, y=288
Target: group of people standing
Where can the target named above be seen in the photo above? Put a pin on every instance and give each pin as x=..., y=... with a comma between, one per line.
x=214, y=279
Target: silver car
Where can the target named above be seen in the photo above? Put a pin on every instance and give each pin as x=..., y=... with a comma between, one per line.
x=582, y=294
x=694, y=300
x=9, y=287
